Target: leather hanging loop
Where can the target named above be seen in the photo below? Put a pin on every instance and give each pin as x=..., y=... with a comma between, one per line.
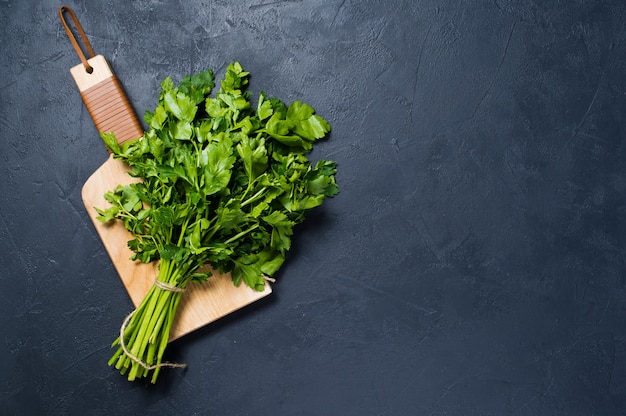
x=83, y=36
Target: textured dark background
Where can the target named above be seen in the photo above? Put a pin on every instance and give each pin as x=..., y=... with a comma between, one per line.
x=473, y=264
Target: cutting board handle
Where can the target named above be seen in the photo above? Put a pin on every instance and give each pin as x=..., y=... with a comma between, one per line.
x=100, y=90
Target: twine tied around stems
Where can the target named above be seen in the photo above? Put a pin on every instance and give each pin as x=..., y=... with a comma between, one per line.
x=268, y=278
x=167, y=287
x=163, y=286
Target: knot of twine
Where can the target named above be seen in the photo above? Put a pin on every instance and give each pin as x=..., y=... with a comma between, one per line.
x=268, y=278
x=167, y=287
x=163, y=286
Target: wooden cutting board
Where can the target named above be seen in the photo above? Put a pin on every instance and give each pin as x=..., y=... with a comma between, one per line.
x=110, y=110
x=201, y=303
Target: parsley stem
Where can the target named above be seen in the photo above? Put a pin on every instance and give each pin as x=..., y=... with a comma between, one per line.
x=241, y=234
x=254, y=197
x=148, y=330
x=182, y=232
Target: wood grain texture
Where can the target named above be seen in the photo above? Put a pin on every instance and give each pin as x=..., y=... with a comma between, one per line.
x=201, y=303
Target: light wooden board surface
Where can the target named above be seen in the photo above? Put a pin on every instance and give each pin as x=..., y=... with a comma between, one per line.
x=85, y=80
x=201, y=303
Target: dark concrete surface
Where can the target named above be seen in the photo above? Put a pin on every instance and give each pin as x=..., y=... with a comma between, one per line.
x=473, y=264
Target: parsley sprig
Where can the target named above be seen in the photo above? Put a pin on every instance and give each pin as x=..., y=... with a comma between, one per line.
x=224, y=182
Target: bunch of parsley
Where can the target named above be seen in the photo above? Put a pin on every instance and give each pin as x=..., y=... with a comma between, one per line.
x=223, y=184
